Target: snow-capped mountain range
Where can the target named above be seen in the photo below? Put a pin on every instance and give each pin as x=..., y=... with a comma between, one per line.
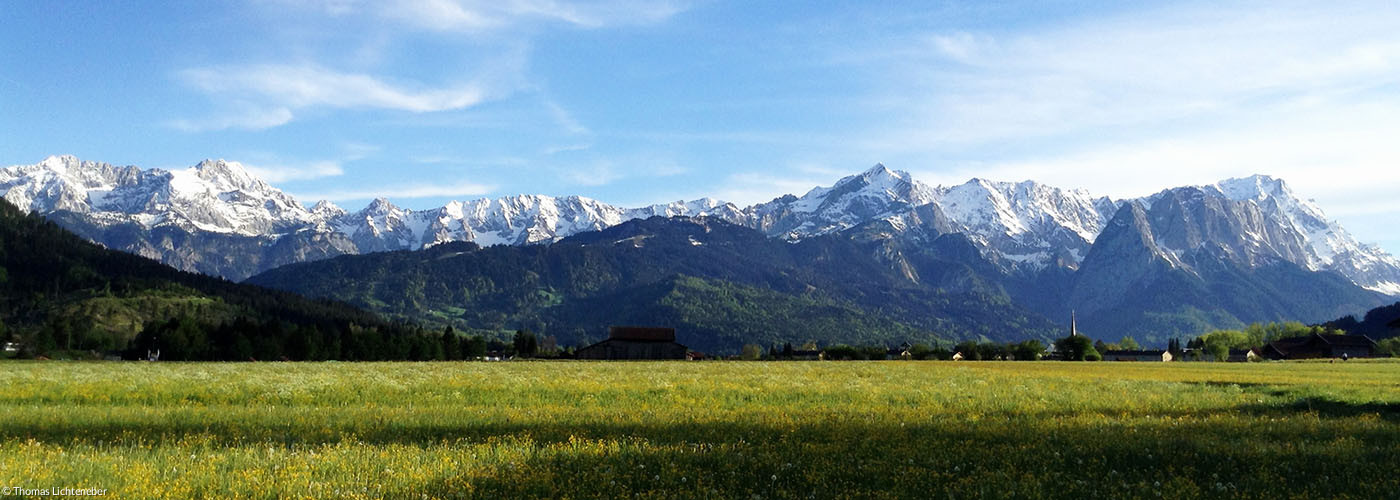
x=1023, y=227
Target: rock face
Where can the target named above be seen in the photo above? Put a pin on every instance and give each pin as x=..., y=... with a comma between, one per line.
x=1192, y=259
x=218, y=219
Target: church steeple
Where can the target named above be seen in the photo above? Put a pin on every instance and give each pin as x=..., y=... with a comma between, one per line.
x=1073, y=328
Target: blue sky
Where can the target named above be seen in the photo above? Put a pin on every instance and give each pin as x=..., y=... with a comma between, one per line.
x=637, y=102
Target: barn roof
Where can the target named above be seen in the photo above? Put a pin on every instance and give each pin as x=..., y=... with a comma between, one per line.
x=1347, y=340
x=642, y=333
x=1135, y=353
x=1285, y=346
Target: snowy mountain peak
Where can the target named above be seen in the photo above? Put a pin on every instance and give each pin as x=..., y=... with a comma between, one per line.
x=880, y=171
x=227, y=174
x=380, y=206
x=60, y=163
x=326, y=210
x=879, y=177
x=1254, y=186
x=1016, y=225
x=1324, y=243
x=1026, y=224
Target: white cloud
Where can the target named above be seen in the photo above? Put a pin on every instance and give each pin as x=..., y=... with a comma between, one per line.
x=282, y=89
x=1128, y=104
x=1146, y=68
x=594, y=174
x=477, y=16
x=1339, y=153
x=298, y=86
x=358, y=151
x=245, y=117
x=284, y=173
x=403, y=191
x=565, y=119
x=605, y=172
x=745, y=189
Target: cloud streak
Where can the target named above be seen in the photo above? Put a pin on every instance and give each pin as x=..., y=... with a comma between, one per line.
x=403, y=191
x=1138, y=70
x=300, y=86
x=285, y=173
x=239, y=117
x=474, y=16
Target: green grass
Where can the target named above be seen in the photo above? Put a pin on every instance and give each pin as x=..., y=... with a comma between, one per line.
x=703, y=430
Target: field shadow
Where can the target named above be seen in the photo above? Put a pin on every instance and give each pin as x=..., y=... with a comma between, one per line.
x=1006, y=456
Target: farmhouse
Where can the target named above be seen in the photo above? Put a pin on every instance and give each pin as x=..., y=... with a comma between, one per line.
x=636, y=342
x=1153, y=355
x=1321, y=346
x=808, y=355
x=901, y=352
x=1241, y=355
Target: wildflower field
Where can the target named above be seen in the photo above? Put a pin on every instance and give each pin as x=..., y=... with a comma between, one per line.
x=703, y=429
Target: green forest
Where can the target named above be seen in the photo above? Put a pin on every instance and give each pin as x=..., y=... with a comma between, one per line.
x=61, y=296
x=719, y=285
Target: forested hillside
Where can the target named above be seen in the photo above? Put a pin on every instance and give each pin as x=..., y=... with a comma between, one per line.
x=1379, y=323
x=719, y=284
x=61, y=295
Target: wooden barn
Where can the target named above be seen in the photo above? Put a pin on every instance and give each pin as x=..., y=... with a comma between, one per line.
x=636, y=342
x=1321, y=346
x=1152, y=355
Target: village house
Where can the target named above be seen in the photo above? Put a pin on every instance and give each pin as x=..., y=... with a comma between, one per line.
x=808, y=355
x=636, y=342
x=1156, y=355
x=1318, y=345
x=1243, y=355
x=901, y=352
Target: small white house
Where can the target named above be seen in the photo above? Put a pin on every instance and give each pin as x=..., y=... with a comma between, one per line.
x=1153, y=355
x=11, y=347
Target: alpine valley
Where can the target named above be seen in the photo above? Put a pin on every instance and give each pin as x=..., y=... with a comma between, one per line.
x=878, y=257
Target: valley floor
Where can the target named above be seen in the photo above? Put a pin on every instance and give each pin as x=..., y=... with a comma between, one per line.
x=703, y=429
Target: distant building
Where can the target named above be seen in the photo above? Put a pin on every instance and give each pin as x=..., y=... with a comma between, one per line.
x=957, y=356
x=1243, y=355
x=808, y=355
x=901, y=352
x=1318, y=345
x=1152, y=355
x=636, y=342
x=11, y=347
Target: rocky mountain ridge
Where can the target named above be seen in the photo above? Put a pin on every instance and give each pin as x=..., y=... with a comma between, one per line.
x=217, y=218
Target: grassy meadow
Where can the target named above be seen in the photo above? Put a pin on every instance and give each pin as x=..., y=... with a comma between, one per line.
x=703, y=429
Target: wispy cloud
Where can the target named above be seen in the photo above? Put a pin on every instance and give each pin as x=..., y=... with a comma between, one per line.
x=403, y=191
x=261, y=96
x=358, y=151
x=749, y=188
x=1127, y=104
x=299, y=86
x=1147, y=68
x=565, y=119
x=285, y=172
x=604, y=171
x=478, y=16
x=237, y=117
